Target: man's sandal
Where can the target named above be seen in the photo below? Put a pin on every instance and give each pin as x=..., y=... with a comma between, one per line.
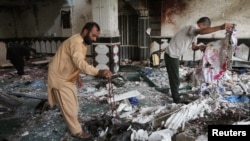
x=82, y=135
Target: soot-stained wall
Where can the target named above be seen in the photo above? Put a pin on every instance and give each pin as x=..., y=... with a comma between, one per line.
x=38, y=19
x=178, y=13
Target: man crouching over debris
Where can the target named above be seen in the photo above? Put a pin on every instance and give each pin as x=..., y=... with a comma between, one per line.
x=180, y=42
x=63, y=73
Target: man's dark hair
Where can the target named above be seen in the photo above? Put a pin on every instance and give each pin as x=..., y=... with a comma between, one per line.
x=90, y=25
x=205, y=20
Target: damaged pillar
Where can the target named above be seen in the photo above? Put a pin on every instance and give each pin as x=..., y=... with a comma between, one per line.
x=106, y=49
x=143, y=24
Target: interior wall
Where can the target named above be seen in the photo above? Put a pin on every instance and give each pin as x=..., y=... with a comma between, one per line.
x=43, y=19
x=176, y=14
x=7, y=24
x=82, y=13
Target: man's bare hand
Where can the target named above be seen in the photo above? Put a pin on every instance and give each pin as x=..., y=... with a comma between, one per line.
x=105, y=73
x=227, y=26
x=202, y=48
x=79, y=82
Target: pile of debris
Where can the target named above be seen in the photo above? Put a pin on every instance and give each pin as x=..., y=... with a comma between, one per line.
x=134, y=106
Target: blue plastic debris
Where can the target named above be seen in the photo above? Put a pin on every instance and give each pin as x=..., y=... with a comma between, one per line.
x=237, y=98
x=147, y=71
x=133, y=100
x=221, y=89
x=38, y=84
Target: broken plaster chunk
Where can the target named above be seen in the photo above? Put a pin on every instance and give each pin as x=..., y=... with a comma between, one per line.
x=124, y=106
x=147, y=110
x=242, y=123
x=25, y=133
x=143, y=119
x=139, y=135
x=128, y=107
x=102, y=92
x=161, y=135
x=228, y=92
x=134, y=93
x=243, y=86
x=185, y=137
x=188, y=112
x=237, y=89
x=90, y=89
x=128, y=115
x=121, y=107
x=202, y=138
x=26, y=77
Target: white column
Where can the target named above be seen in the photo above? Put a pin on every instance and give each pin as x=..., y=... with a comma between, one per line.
x=105, y=13
x=106, y=49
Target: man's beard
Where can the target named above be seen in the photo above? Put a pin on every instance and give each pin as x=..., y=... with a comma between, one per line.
x=87, y=40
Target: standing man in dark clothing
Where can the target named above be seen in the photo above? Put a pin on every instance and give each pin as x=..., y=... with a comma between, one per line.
x=18, y=54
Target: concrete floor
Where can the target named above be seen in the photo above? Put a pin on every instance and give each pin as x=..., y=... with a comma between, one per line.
x=26, y=123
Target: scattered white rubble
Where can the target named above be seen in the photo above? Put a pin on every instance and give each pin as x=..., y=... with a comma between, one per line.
x=25, y=133
x=242, y=123
x=161, y=135
x=139, y=135
x=101, y=92
x=118, y=97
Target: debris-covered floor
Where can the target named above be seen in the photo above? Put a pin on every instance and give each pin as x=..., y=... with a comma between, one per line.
x=137, y=105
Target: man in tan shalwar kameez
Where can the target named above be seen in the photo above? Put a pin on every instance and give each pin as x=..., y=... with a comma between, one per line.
x=63, y=73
